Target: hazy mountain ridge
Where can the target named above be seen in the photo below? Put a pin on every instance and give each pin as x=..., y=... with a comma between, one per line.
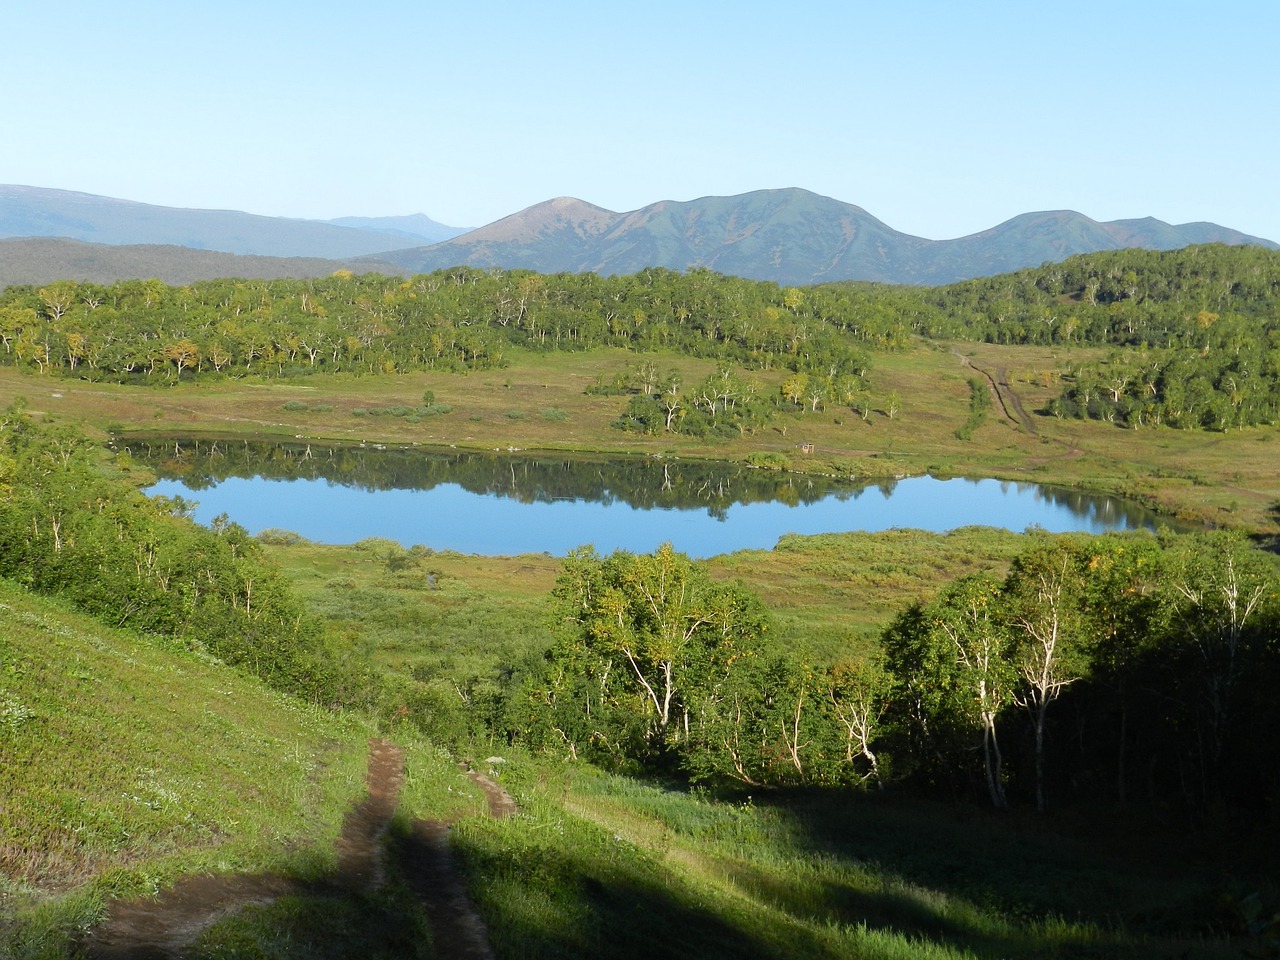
x=37, y=260
x=40, y=212
x=789, y=236
x=413, y=228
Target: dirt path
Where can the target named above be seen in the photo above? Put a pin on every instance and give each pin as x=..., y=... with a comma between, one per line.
x=456, y=929
x=163, y=928
x=360, y=864
x=1010, y=403
x=501, y=805
x=1009, y=398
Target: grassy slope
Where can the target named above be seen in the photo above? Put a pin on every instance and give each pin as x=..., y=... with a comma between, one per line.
x=598, y=864
x=126, y=765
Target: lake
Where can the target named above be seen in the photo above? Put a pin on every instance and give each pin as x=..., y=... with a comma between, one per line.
x=507, y=504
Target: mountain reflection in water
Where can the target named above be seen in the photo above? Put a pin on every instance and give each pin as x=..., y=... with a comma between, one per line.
x=508, y=504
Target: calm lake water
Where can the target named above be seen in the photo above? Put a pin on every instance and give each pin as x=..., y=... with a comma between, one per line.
x=477, y=503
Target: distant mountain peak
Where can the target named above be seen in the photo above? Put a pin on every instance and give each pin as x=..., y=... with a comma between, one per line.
x=546, y=220
x=787, y=235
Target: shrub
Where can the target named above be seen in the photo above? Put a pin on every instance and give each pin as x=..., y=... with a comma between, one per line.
x=281, y=538
x=296, y=405
x=769, y=461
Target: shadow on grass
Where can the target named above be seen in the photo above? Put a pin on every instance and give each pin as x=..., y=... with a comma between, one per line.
x=581, y=899
x=1011, y=884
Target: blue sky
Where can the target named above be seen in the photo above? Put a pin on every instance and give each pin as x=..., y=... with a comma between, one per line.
x=940, y=118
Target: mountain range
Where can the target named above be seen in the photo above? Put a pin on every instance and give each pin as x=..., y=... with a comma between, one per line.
x=789, y=236
x=41, y=212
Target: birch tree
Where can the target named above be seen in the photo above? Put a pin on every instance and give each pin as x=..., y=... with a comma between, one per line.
x=1044, y=594
x=1216, y=588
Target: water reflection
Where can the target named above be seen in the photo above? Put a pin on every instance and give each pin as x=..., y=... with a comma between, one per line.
x=506, y=504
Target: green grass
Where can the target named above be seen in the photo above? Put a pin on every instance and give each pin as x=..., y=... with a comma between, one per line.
x=386, y=925
x=126, y=765
x=421, y=610
x=597, y=864
x=832, y=594
x=131, y=752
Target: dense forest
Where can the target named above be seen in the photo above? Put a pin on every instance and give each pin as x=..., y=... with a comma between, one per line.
x=1195, y=332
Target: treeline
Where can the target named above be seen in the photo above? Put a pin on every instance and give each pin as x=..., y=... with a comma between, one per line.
x=73, y=526
x=1100, y=668
x=1121, y=297
x=459, y=319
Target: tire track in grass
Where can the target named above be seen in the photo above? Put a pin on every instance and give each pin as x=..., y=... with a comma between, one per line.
x=164, y=928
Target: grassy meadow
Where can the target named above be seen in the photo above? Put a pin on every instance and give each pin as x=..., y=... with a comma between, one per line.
x=920, y=401
x=128, y=762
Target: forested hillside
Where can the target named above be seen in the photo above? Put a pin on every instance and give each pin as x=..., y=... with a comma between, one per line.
x=1195, y=331
x=73, y=526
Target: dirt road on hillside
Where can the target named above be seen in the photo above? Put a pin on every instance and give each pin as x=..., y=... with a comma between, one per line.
x=1009, y=401
x=164, y=928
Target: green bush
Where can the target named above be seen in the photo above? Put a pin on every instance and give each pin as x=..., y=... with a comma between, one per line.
x=281, y=538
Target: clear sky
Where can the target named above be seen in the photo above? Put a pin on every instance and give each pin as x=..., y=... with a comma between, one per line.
x=940, y=118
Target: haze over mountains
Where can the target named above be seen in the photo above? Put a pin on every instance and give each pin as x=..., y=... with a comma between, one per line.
x=789, y=236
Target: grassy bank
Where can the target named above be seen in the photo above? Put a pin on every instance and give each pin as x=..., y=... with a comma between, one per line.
x=444, y=614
